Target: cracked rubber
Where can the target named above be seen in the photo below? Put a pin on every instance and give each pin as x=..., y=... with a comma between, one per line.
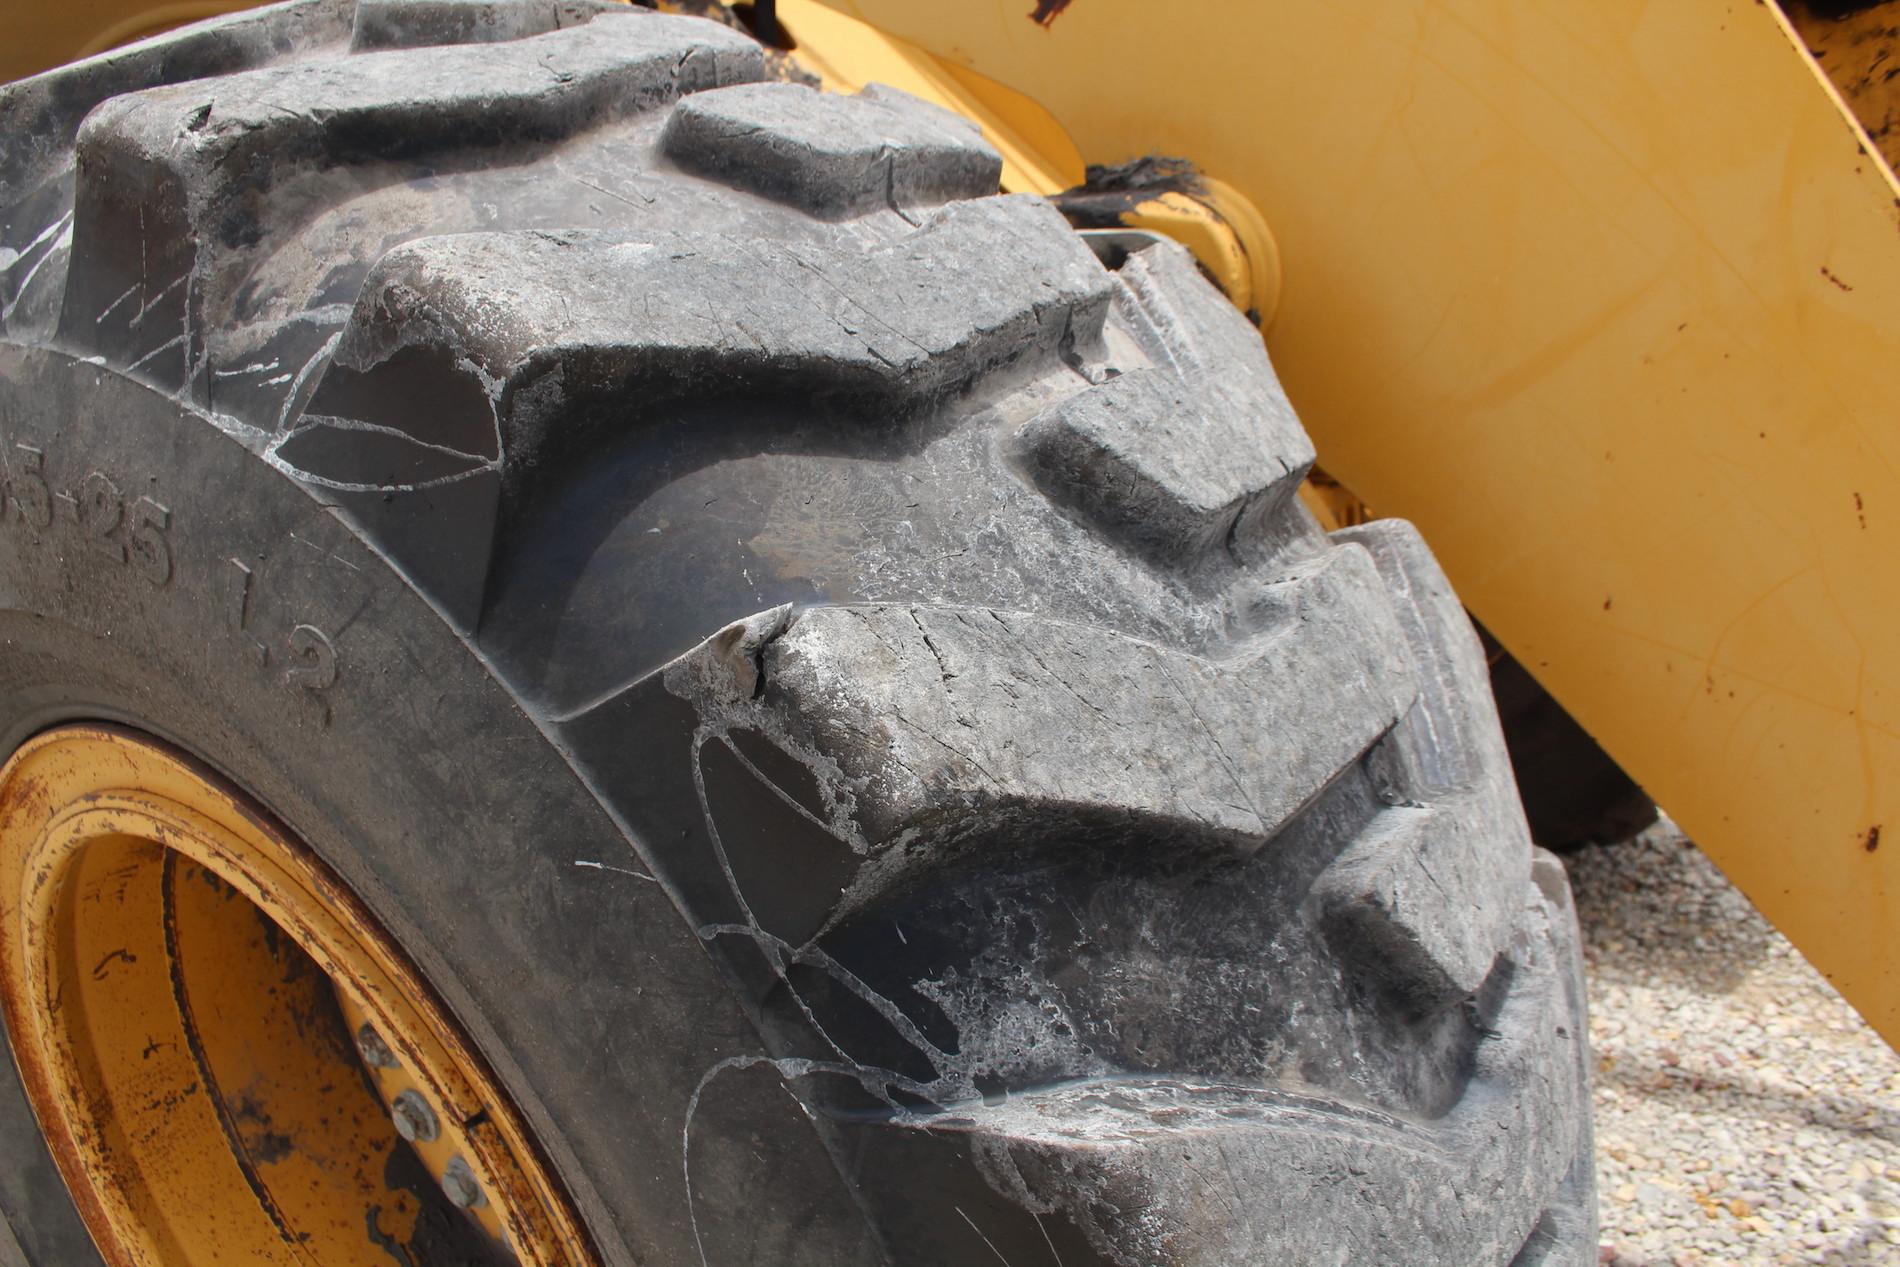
x=760, y=611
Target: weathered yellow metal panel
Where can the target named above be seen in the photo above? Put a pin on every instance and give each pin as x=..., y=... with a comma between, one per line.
x=1606, y=298
x=39, y=35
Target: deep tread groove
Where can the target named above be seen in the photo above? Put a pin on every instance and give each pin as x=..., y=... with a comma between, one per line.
x=1425, y=898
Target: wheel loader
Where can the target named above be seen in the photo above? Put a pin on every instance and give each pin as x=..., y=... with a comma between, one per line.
x=864, y=632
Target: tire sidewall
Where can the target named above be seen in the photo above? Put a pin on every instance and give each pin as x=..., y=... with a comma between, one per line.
x=154, y=571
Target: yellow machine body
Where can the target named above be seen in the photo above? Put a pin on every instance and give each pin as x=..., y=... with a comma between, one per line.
x=1605, y=297
x=42, y=35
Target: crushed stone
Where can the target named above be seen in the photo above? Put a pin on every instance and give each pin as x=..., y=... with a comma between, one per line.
x=1745, y=1113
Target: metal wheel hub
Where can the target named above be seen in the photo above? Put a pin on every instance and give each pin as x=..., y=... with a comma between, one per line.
x=230, y=1060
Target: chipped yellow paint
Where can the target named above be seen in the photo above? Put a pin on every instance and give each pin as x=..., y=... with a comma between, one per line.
x=452, y=1141
x=170, y=964
x=1229, y=238
x=1606, y=298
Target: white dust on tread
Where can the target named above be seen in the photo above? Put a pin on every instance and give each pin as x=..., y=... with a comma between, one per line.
x=787, y=1068
x=984, y=1235
x=320, y=358
x=147, y=303
x=587, y=864
x=1745, y=1113
x=713, y=678
x=286, y=432
x=783, y=956
x=255, y=367
x=175, y=342
x=113, y=307
x=1011, y=1034
x=63, y=242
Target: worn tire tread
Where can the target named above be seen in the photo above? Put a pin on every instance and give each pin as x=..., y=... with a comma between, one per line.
x=1219, y=697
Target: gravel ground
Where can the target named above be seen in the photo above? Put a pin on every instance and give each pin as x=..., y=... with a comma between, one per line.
x=1744, y=1113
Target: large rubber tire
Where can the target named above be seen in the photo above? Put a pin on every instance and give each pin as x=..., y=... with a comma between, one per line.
x=757, y=612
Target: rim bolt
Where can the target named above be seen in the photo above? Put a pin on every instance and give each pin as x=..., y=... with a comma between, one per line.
x=460, y=1185
x=371, y=1047
x=415, y=1120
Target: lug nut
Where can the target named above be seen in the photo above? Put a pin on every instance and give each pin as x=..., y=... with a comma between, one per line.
x=415, y=1120
x=371, y=1047
x=460, y=1186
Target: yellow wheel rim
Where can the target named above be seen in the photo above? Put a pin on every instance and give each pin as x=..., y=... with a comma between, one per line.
x=221, y=1045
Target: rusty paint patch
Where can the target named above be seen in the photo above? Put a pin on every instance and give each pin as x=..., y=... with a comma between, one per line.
x=1047, y=11
x=1871, y=841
